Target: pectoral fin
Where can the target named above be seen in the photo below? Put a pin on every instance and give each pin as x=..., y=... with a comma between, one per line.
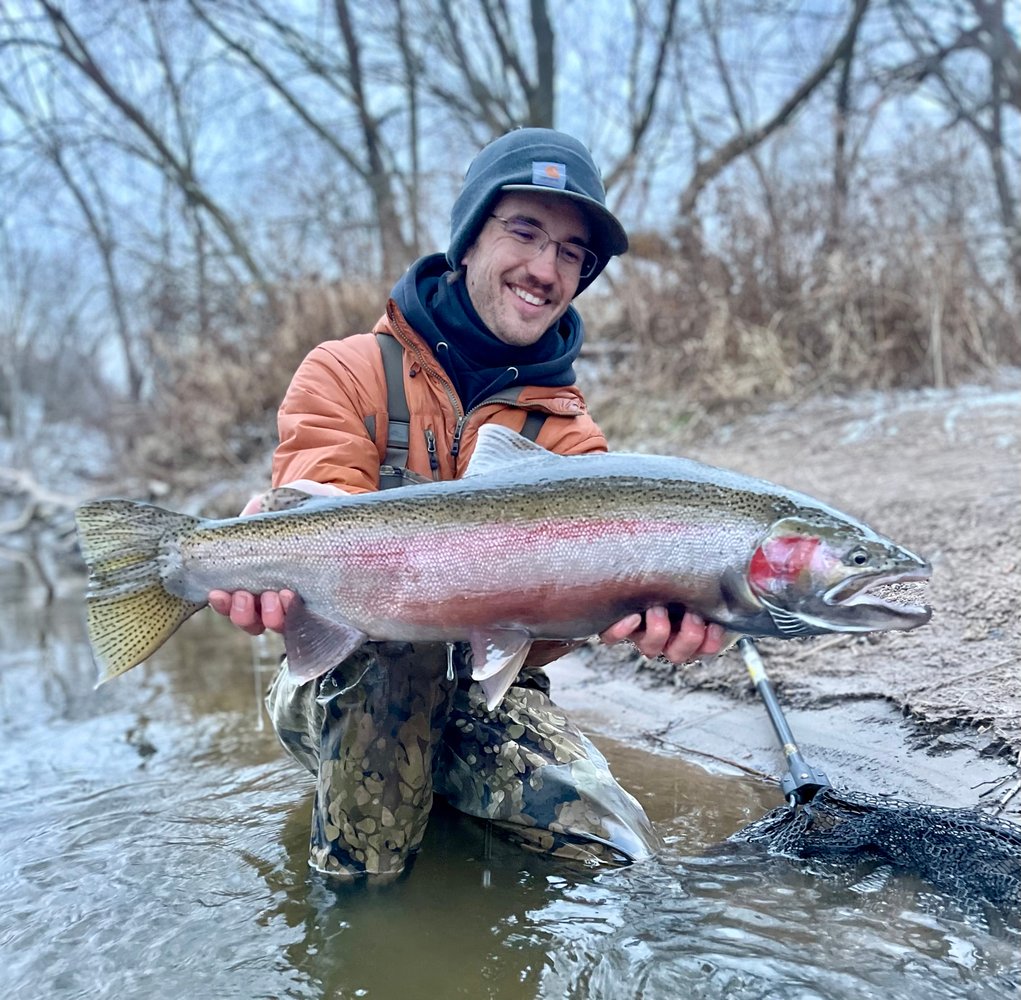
x=498, y=656
x=315, y=644
x=730, y=638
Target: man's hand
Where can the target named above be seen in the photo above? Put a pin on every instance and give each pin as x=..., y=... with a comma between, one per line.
x=690, y=639
x=254, y=613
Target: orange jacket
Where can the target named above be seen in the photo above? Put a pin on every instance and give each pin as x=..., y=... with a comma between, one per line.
x=339, y=392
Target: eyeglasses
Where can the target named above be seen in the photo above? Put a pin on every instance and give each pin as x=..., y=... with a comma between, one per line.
x=572, y=258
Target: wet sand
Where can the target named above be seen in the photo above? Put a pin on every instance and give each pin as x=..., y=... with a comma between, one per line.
x=865, y=745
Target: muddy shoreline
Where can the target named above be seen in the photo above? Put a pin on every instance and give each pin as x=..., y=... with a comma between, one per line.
x=933, y=715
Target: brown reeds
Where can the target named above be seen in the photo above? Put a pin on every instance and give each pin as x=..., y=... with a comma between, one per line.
x=215, y=399
x=686, y=334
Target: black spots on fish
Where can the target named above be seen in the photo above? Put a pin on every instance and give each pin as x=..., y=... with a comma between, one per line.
x=740, y=502
x=128, y=626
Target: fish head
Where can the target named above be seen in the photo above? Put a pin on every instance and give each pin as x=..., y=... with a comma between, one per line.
x=816, y=574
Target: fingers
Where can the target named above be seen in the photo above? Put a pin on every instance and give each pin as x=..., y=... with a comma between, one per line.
x=219, y=601
x=621, y=630
x=253, y=614
x=693, y=638
x=690, y=639
x=656, y=636
x=245, y=612
x=713, y=643
x=274, y=608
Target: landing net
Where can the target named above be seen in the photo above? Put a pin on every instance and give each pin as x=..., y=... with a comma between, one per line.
x=963, y=853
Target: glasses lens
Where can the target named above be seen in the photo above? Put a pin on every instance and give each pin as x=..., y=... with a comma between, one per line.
x=589, y=260
x=572, y=258
x=525, y=233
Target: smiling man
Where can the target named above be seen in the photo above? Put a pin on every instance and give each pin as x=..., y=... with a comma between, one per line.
x=483, y=334
x=524, y=268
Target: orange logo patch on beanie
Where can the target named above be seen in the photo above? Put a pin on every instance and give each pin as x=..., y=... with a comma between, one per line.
x=547, y=174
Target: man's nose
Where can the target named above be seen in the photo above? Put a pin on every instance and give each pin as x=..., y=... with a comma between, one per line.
x=544, y=264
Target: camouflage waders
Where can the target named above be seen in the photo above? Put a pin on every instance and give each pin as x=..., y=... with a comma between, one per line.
x=393, y=722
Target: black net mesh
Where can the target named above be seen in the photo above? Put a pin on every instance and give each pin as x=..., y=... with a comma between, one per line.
x=961, y=852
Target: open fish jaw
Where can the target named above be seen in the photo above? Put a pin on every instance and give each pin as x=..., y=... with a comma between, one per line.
x=892, y=592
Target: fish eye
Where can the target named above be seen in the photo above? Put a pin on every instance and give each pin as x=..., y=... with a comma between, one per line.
x=858, y=557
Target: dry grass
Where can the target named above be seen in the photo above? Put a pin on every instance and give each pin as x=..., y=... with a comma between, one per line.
x=215, y=400
x=726, y=332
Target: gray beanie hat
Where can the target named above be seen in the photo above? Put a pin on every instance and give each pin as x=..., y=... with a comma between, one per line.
x=535, y=159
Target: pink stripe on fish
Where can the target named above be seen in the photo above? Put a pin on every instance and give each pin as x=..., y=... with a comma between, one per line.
x=529, y=533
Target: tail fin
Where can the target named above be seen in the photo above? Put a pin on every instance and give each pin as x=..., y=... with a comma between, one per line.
x=130, y=613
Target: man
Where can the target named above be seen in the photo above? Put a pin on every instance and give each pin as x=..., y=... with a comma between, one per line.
x=485, y=334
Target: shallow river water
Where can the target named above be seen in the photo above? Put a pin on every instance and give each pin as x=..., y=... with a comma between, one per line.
x=153, y=844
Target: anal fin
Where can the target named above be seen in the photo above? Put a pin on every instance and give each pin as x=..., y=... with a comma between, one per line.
x=498, y=656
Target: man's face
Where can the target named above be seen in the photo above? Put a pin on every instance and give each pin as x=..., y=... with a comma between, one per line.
x=520, y=296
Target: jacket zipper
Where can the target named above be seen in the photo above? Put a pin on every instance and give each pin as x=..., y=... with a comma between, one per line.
x=455, y=402
x=430, y=444
x=437, y=373
x=455, y=444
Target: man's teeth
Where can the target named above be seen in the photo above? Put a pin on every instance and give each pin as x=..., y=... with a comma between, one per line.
x=532, y=300
x=907, y=592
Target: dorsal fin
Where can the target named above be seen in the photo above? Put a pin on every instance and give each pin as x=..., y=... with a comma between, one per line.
x=497, y=447
x=284, y=498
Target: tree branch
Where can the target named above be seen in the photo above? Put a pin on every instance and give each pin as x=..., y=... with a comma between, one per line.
x=77, y=52
x=709, y=169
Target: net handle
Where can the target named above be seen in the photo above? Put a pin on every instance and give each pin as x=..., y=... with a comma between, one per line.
x=802, y=782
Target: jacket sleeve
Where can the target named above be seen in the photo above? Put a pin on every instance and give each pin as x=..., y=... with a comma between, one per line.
x=321, y=421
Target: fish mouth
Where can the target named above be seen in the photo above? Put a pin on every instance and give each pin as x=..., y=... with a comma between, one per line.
x=895, y=600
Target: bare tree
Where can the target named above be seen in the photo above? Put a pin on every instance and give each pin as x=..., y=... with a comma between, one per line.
x=367, y=156
x=644, y=90
x=499, y=79
x=411, y=66
x=196, y=160
x=841, y=125
x=376, y=175
x=178, y=168
x=87, y=192
x=746, y=139
x=945, y=40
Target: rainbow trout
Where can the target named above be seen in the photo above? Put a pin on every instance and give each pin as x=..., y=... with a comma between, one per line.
x=528, y=545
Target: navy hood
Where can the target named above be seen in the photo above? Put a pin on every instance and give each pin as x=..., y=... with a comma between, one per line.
x=435, y=301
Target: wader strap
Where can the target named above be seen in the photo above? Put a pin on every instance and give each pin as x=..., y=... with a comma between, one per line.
x=533, y=424
x=392, y=469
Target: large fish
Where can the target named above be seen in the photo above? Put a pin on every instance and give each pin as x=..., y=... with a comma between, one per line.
x=528, y=545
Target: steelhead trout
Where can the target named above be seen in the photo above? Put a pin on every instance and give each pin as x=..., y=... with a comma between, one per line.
x=528, y=545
